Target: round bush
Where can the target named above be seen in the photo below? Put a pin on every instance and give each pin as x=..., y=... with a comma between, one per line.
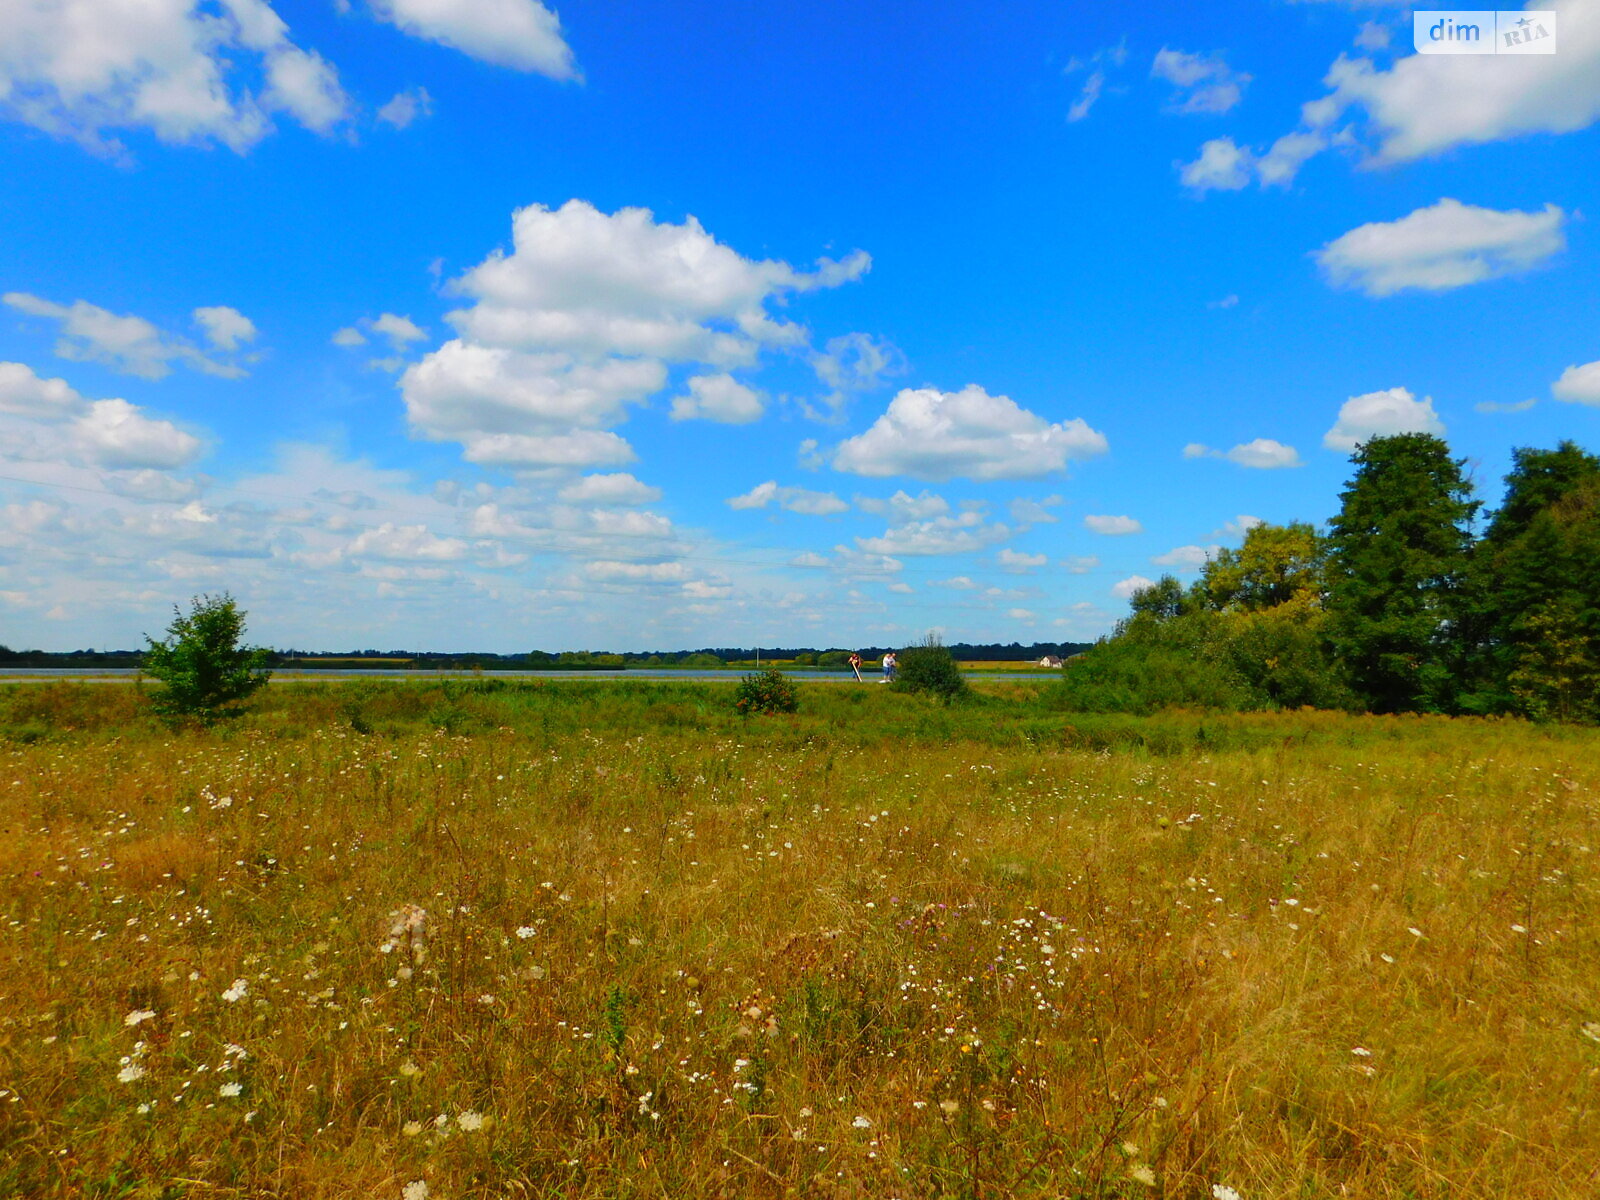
x=930, y=668
x=769, y=692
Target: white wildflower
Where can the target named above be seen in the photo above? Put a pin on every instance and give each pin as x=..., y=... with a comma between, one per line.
x=237, y=992
x=130, y=1072
x=470, y=1121
x=526, y=931
x=229, y=1090
x=138, y=1017
x=417, y=1189
x=1219, y=1191
x=862, y=1123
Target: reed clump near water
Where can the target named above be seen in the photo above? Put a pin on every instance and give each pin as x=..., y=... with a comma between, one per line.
x=595, y=939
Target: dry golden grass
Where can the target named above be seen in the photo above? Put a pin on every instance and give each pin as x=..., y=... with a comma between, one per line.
x=880, y=949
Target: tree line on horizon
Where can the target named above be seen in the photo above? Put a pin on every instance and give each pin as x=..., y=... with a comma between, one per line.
x=1400, y=605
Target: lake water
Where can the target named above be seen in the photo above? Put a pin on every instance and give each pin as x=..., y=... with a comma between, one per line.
x=123, y=674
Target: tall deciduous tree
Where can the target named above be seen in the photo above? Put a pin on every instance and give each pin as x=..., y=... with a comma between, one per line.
x=1398, y=552
x=1276, y=564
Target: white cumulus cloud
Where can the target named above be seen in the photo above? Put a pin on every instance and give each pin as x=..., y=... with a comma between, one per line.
x=1185, y=558
x=937, y=535
x=929, y=434
x=82, y=69
x=114, y=433
x=1262, y=454
x=581, y=319
x=1579, y=385
x=616, y=488
x=1112, y=526
x=25, y=394
x=902, y=506
x=1124, y=589
x=1424, y=105
x=1447, y=245
x=225, y=328
x=406, y=543
x=133, y=345
x=1018, y=562
x=1203, y=83
x=719, y=398
x=1223, y=165
x=1381, y=414
x=521, y=34
x=794, y=499
x=405, y=107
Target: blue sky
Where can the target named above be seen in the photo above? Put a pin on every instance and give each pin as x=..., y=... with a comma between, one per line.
x=447, y=325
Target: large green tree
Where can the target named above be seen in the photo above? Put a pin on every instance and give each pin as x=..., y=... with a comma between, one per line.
x=1397, y=557
x=1270, y=592
x=1276, y=564
x=1535, y=594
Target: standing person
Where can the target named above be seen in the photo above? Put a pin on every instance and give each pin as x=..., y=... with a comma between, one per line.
x=855, y=665
x=888, y=666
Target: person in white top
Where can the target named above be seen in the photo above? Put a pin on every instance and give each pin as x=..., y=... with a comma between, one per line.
x=888, y=666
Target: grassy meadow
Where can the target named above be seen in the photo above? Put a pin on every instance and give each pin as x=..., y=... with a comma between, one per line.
x=583, y=939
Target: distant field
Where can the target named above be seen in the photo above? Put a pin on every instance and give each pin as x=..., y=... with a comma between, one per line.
x=584, y=939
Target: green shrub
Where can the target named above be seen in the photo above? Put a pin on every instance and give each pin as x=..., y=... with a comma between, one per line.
x=930, y=668
x=769, y=692
x=206, y=671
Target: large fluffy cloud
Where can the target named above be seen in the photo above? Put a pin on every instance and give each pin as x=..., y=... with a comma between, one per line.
x=1447, y=245
x=48, y=421
x=115, y=434
x=1426, y=104
x=586, y=282
x=929, y=434
x=83, y=68
x=1381, y=414
x=583, y=317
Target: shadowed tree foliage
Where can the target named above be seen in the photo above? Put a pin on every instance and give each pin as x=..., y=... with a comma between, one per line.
x=1535, y=591
x=1397, y=556
x=207, y=673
